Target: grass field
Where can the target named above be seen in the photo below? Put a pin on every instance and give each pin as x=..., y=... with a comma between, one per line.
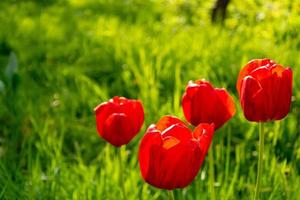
x=59, y=59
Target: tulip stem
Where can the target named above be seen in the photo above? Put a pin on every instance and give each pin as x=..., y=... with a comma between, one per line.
x=211, y=173
x=121, y=171
x=260, y=160
x=171, y=195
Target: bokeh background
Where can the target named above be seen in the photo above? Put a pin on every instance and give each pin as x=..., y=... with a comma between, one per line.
x=60, y=58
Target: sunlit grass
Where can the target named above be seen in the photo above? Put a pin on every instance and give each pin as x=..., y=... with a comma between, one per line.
x=72, y=56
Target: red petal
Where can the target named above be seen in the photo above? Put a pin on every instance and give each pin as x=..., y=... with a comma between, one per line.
x=179, y=165
x=117, y=129
x=203, y=129
x=199, y=104
x=278, y=70
x=119, y=100
x=149, y=141
x=284, y=94
x=204, y=133
x=187, y=99
x=102, y=111
x=167, y=121
x=202, y=82
x=225, y=107
x=252, y=100
x=134, y=110
x=177, y=131
x=186, y=106
x=266, y=98
x=248, y=68
x=172, y=168
x=138, y=107
x=170, y=142
x=261, y=73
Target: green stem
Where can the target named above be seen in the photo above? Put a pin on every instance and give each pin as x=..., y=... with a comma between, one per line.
x=260, y=160
x=121, y=180
x=211, y=173
x=227, y=154
x=170, y=195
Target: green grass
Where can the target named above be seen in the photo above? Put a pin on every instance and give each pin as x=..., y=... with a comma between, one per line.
x=72, y=55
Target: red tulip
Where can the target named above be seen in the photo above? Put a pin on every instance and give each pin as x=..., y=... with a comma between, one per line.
x=265, y=90
x=202, y=103
x=119, y=120
x=170, y=155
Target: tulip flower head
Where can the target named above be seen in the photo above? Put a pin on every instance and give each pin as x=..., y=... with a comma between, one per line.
x=202, y=103
x=265, y=90
x=170, y=155
x=119, y=120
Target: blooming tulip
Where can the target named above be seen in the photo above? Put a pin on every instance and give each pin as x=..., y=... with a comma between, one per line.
x=119, y=120
x=170, y=155
x=202, y=103
x=265, y=90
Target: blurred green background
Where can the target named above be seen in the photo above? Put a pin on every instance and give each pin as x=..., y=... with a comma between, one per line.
x=60, y=58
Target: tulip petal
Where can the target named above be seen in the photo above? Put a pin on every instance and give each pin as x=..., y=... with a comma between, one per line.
x=138, y=107
x=170, y=142
x=117, y=129
x=167, y=121
x=284, y=94
x=278, y=70
x=134, y=110
x=198, y=104
x=203, y=82
x=151, y=140
x=253, y=100
x=186, y=106
x=180, y=165
x=248, y=68
x=102, y=111
x=225, y=107
x=261, y=73
x=180, y=132
x=204, y=133
x=267, y=81
x=189, y=99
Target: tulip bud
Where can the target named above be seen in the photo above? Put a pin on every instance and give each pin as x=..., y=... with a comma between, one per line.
x=201, y=103
x=119, y=120
x=170, y=155
x=265, y=90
